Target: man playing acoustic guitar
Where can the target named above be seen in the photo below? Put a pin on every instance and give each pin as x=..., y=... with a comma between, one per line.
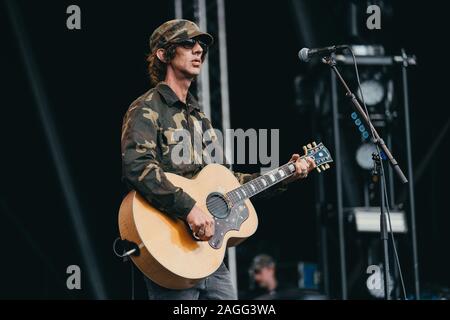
x=177, y=51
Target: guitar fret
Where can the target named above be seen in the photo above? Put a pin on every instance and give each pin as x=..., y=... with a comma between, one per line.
x=291, y=168
x=261, y=183
x=264, y=182
x=274, y=176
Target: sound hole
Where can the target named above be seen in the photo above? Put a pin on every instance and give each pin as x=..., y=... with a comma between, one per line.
x=217, y=205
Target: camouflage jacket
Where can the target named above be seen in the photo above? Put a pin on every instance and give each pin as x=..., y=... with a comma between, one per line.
x=148, y=137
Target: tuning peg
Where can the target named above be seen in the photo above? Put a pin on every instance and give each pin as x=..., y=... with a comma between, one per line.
x=327, y=166
x=318, y=170
x=323, y=167
x=314, y=144
x=309, y=146
x=305, y=149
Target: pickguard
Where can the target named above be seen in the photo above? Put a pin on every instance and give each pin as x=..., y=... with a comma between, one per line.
x=238, y=214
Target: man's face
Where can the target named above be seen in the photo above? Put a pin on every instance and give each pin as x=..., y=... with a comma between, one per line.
x=188, y=61
x=264, y=276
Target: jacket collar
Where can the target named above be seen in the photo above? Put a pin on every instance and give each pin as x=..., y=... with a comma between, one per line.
x=172, y=99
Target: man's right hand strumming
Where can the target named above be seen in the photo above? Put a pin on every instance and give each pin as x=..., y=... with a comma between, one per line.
x=201, y=224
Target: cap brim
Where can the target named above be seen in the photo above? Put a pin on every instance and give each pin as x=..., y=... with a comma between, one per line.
x=205, y=37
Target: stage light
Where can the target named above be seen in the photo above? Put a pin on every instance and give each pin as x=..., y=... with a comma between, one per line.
x=367, y=219
x=364, y=155
x=373, y=92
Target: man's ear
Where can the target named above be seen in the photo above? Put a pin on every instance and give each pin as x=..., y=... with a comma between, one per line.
x=160, y=53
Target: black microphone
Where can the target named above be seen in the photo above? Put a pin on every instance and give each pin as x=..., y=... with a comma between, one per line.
x=306, y=54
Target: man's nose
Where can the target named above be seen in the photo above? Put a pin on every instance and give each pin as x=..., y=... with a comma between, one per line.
x=197, y=49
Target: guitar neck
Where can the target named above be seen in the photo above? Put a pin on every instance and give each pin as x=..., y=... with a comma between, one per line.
x=261, y=183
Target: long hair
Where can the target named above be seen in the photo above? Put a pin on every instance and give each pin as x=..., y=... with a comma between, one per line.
x=156, y=68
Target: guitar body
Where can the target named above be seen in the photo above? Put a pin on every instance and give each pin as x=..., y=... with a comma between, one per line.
x=169, y=254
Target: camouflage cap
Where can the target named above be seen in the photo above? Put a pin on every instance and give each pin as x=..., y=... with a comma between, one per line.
x=177, y=30
x=261, y=261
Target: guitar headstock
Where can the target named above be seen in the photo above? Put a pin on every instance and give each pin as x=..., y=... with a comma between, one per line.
x=320, y=154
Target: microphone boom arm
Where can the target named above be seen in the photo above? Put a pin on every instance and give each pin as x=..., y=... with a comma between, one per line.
x=378, y=140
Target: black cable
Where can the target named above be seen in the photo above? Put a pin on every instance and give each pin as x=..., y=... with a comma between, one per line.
x=393, y=242
x=114, y=249
x=383, y=178
x=132, y=280
x=125, y=257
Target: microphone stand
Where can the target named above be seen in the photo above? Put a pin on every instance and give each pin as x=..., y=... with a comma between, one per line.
x=377, y=175
x=381, y=145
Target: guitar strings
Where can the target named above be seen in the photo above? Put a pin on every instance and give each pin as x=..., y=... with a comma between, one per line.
x=217, y=203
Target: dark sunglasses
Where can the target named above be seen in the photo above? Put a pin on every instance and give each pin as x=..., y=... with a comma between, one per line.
x=190, y=43
x=257, y=271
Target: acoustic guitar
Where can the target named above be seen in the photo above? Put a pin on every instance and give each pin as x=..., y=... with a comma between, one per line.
x=168, y=253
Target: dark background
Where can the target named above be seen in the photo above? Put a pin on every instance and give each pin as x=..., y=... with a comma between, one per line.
x=90, y=76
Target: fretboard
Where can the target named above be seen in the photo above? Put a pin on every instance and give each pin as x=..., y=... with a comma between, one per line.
x=261, y=183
